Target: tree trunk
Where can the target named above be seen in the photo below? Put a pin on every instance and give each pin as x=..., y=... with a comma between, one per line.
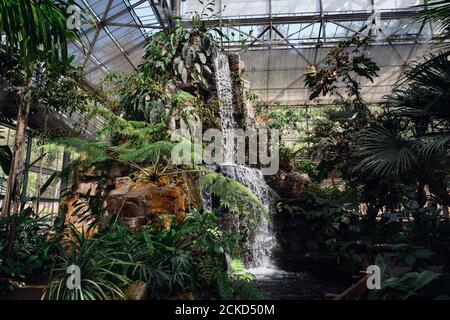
x=13, y=187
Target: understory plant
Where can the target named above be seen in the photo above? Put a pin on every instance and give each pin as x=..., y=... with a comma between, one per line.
x=188, y=258
x=32, y=250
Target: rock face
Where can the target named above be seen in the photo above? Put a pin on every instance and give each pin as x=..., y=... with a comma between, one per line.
x=289, y=184
x=145, y=199
x=136, y=202
x=237, y=65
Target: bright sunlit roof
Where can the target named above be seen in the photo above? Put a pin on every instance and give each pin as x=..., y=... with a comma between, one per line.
x=282, y=37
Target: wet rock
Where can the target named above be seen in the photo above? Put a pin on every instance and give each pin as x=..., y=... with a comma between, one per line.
x=237, y=65
x=145, y=199
x=289, y=184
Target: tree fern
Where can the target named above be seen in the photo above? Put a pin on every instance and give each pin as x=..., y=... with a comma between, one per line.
x=233, y=195
x=243, y=281
x=151, y=153
x=95, y=151
x=224, y=285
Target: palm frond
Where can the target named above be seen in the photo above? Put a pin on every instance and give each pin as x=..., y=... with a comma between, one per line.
x=36, y=30
x=437, y=12
x=382, y=151
x=425, y=89
x=432, y=144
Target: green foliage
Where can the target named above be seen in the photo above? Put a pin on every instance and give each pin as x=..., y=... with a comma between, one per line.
x=243, y=281
x=384, y=152
x=333, y=222
x=234, y=196
x=411, y=137
x=188, y=257
x=100, y=271
x=414, y=286
x=284, y=118
x=429, y=230
x=32, y=250
x=420, y=282
x=36, y=30
x=139, y=98
x=184, y=54
x=136, y=144
x=151, y=153
x=5, y=159
x=305, y=166
x=413, y=134
x=342, y=68
x=437, y=12
x=333, y=135
x=59, y=89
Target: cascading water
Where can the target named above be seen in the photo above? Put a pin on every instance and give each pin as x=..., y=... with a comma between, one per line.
x=225, y=95
x=274, y=283
x=263, y=242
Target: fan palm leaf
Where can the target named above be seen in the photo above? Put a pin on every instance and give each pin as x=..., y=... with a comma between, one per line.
x=383, y=151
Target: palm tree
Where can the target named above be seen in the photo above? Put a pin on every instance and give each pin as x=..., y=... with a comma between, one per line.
x=412, y=137
x=35, y=31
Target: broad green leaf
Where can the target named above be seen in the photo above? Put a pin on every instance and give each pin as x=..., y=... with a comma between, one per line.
x=425, y=278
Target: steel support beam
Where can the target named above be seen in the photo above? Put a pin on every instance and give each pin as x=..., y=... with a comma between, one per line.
x=307, y=18
x=158, y=15
x=98, y=28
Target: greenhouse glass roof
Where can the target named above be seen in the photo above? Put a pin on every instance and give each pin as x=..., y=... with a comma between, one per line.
x=282, y=38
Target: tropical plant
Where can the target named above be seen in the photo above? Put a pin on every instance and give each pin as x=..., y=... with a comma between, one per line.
x=5, y=156
x=99, y=266
x=36, y=32
x=188, y=257
x=419, y=284
x=343, y=65
x=423, y=285
x=184, y=53
x=233, y=196
x=332, y=137
x=333, y=223
x=411, y=138
x=33, y=250
x=137, y=144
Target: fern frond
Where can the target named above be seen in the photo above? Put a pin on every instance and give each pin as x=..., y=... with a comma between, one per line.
x=95, y=151
x=150, y=153
x=224, y=286
x=233, y=195
x=243, y=281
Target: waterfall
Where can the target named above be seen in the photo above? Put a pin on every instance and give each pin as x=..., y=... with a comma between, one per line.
x=263, y=242
x=225, y=95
